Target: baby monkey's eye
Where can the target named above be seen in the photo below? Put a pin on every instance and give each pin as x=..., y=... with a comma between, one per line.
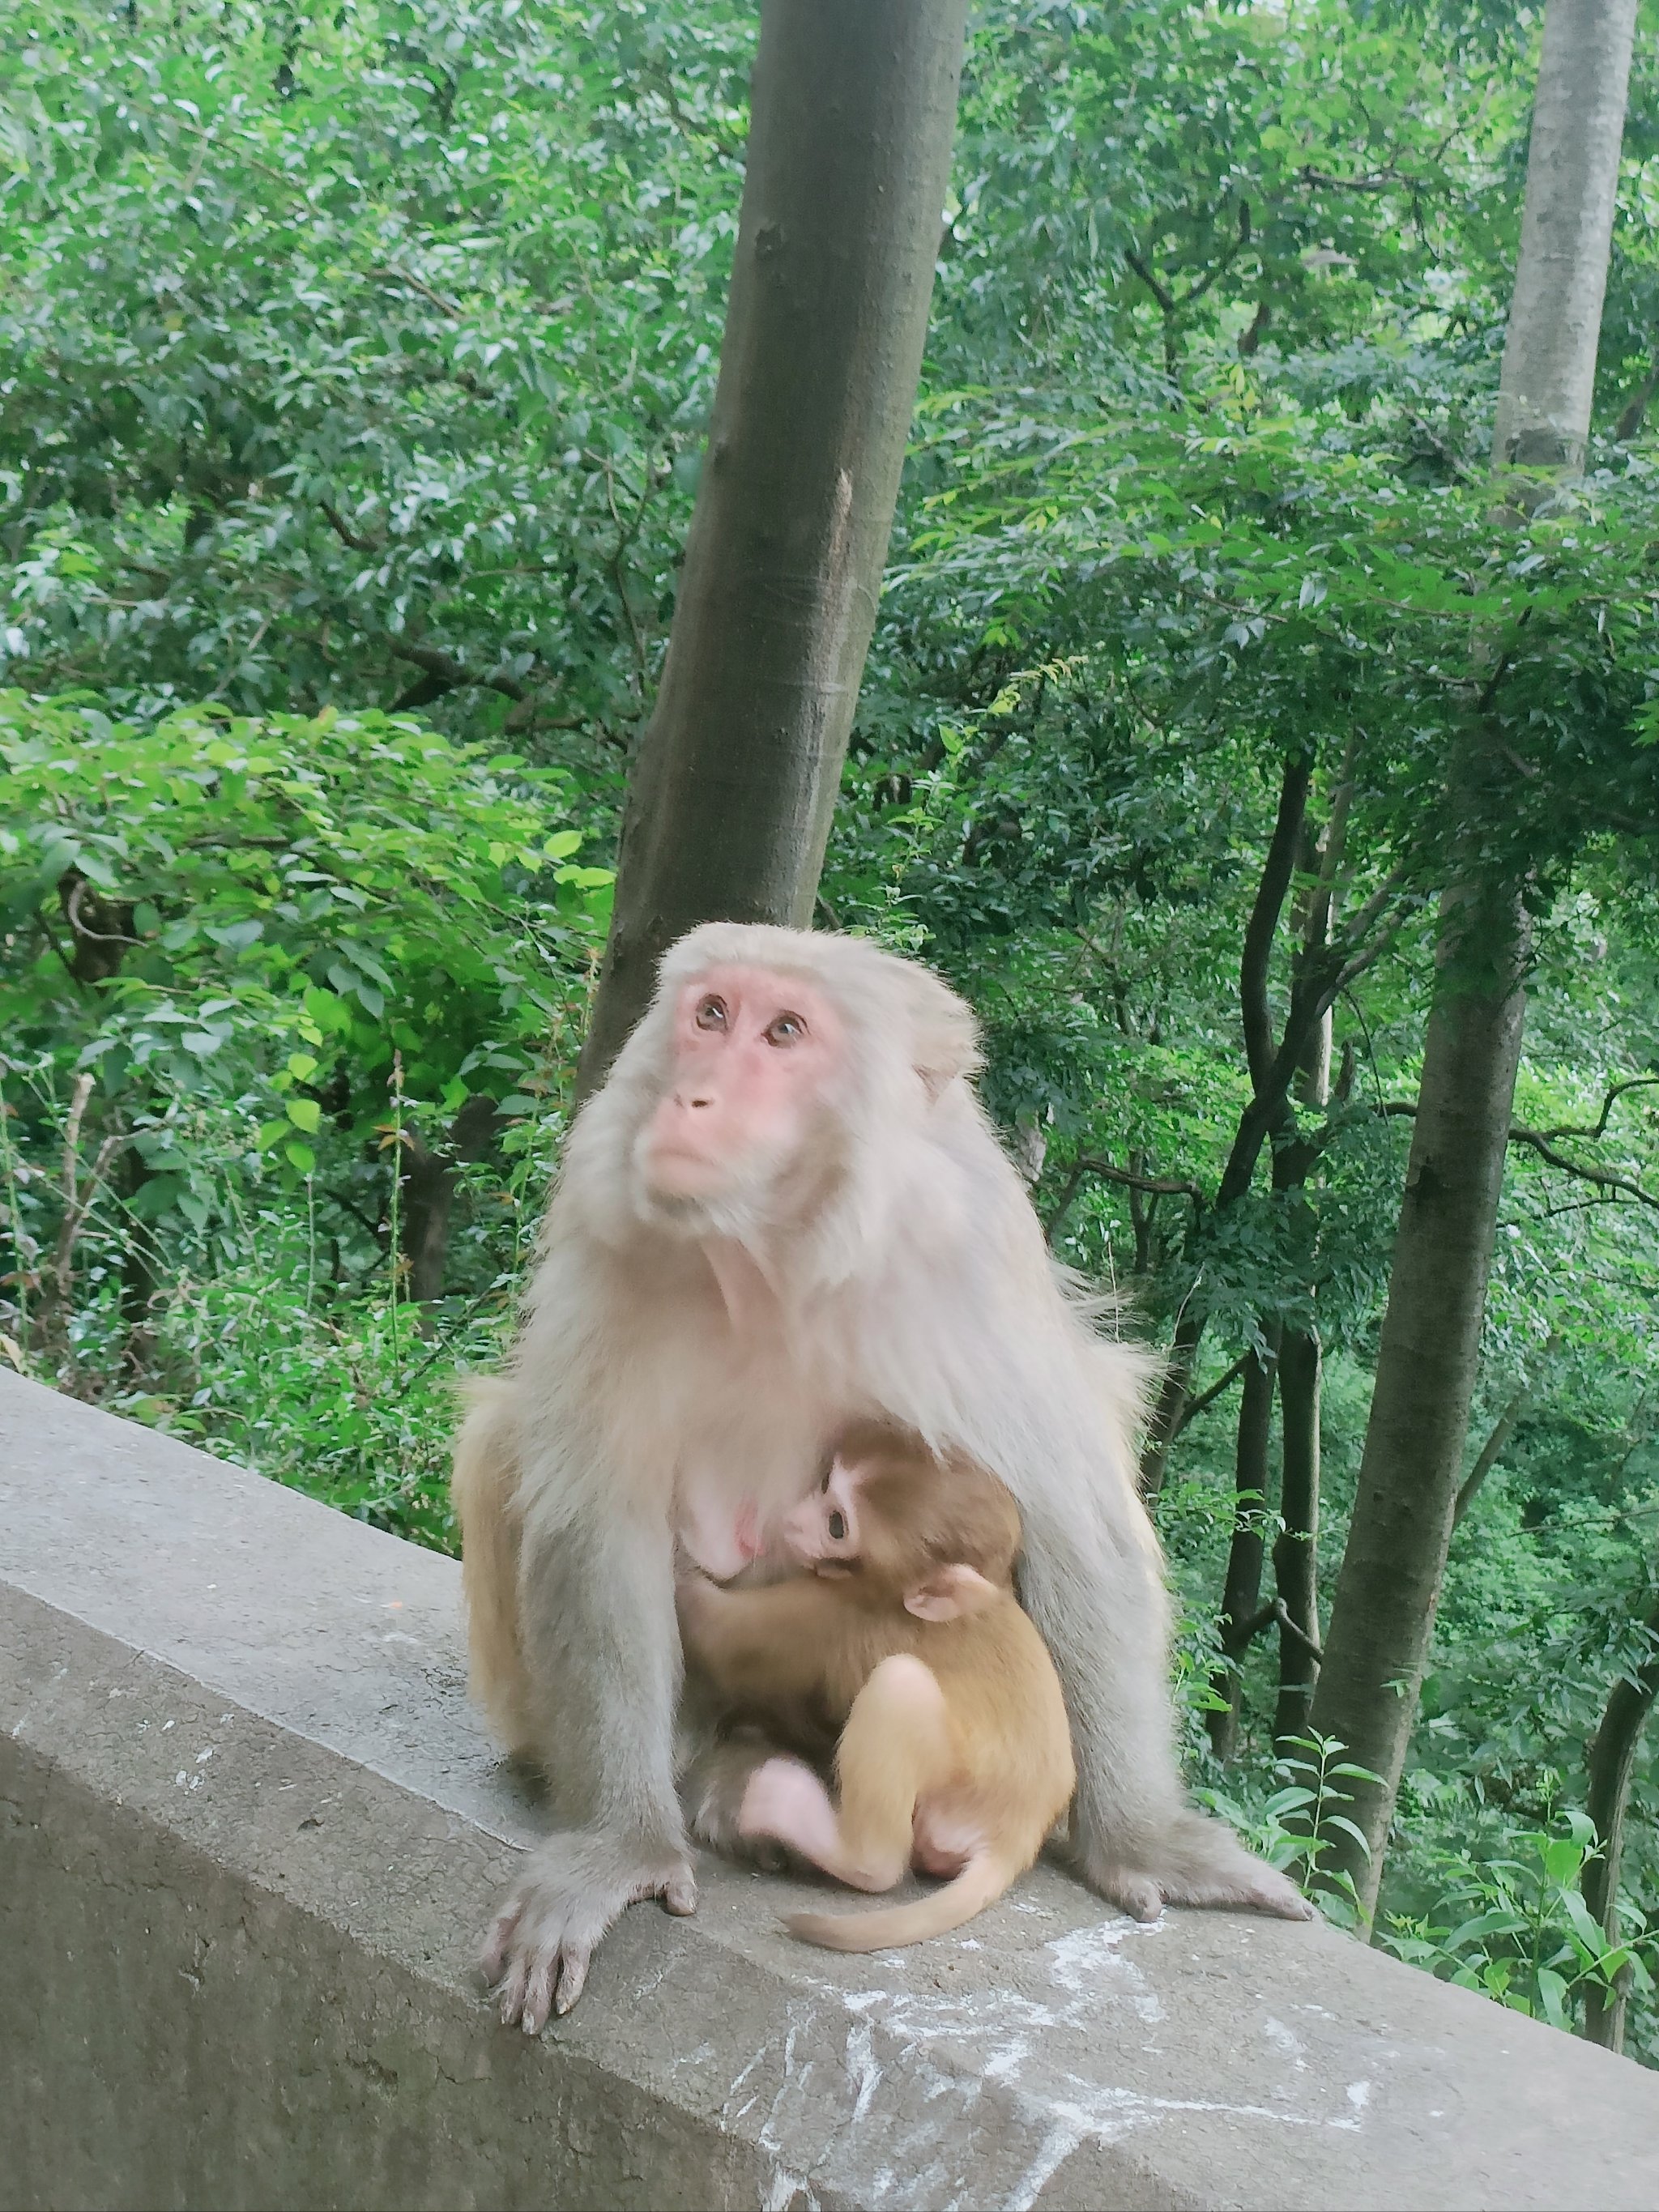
x=837, y=1527
x=711, y=1013
x=788, y=1028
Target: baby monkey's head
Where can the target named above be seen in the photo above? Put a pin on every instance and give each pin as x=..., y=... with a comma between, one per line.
x=938, y=1537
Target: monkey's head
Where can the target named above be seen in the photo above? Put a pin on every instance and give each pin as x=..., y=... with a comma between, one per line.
x=743, y=1096
x=938, y=1536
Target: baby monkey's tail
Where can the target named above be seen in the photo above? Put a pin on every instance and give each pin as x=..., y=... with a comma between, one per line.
x=981, y=1882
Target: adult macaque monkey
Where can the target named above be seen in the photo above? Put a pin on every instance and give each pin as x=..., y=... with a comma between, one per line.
x=786, y=1211
x=954, y=1755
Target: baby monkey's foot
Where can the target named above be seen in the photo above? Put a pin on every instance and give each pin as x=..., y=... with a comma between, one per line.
x=785, y=1800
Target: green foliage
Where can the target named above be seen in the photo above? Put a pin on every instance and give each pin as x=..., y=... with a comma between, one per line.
x=1296, y=1824
x=1518, y=1930
x=354, y=366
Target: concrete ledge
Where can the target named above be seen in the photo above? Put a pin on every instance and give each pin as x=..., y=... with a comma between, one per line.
x=251, y=1832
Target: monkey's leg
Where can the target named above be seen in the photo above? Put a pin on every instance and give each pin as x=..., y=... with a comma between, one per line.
x=712, y=1789
x=895, y=1746
x=484, y=1487
x=1094, y=1593
x=596, y=1605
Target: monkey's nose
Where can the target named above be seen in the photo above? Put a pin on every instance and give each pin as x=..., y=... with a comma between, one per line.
x=694, y=1099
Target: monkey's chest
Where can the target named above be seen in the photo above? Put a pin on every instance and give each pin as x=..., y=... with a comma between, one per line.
x=753, y=1447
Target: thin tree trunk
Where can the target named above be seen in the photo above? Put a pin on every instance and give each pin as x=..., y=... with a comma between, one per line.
x=1612, y=1756
x=1258, y=1117
x=1296, y=1549
x=1241, y=1596
x=853, y=108
x=1499, y=1434
x=1387, y=1593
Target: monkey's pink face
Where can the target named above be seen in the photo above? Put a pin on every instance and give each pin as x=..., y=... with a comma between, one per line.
x=753, y=1054
x=822, y=1531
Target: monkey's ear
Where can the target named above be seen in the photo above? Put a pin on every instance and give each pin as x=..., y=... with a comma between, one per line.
x=944, y=1035
x=950, y=1594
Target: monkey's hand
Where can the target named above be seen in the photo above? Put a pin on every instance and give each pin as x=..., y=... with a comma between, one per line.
x=543, y=1940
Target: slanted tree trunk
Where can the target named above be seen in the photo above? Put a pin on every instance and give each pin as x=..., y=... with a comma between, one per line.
x=1383, y=1621
x=1240, y=1595
x=1501, y=1430
x=853, y=108
x=1612, y=1756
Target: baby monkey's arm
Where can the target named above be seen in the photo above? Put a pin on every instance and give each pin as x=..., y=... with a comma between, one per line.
x=765, y=1645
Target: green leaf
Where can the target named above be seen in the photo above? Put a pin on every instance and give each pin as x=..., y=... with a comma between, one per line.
x=304, y=1113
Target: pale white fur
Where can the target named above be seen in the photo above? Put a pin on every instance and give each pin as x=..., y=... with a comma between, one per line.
x=674, y=1354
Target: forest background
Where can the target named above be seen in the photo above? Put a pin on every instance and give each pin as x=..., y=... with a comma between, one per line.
x=355, y=368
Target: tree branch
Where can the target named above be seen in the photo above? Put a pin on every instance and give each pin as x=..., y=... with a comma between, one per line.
x=1538, y=1140
x=1087, y=1165
x=344, y=531
x=452, y=674
x=1194, y=1406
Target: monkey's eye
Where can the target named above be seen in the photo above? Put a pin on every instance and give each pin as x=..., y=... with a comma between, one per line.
x=837, y=1528
x=788, y=1028
x=711, y=1013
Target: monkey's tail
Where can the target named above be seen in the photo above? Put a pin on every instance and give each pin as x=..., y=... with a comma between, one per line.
x=981, y=1882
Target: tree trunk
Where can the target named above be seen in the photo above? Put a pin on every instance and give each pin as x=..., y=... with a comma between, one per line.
x=1296, y=1549
x=1382, y=1621
x=853, y=108
x=1566, y=229
x=1612, y=1755
x=1389, y=1585
x=1241, y=1596
x=429, y=1193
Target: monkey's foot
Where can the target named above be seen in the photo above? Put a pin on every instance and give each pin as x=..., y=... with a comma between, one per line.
x=1200, y=1862
x=712, y=1791
x=542, y=1942
x=785, y=1800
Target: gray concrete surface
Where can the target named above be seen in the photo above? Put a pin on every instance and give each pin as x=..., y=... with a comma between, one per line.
x=250, y=1832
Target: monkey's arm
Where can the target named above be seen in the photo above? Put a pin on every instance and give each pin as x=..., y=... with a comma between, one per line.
x=766, y=1646
x=597, y=1618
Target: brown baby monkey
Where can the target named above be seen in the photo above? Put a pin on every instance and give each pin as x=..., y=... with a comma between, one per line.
x=955, y=1754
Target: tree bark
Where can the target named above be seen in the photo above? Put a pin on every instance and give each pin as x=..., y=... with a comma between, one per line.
x=1241, y=1596
x=1566, y=229
x=1612, y=1756
x=852, y=109
x=1389, y=1589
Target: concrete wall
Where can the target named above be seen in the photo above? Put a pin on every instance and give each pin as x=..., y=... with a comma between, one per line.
x=249, y=1832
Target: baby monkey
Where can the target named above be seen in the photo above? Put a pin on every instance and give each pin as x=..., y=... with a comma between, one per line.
x=955, y=1755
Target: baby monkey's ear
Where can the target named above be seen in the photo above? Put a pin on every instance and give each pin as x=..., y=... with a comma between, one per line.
x=950, y=1594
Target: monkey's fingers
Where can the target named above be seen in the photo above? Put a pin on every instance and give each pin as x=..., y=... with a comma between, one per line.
x=573, y=1961
x=680, y=1892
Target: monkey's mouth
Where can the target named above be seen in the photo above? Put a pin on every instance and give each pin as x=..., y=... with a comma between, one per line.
x=674, y=1170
